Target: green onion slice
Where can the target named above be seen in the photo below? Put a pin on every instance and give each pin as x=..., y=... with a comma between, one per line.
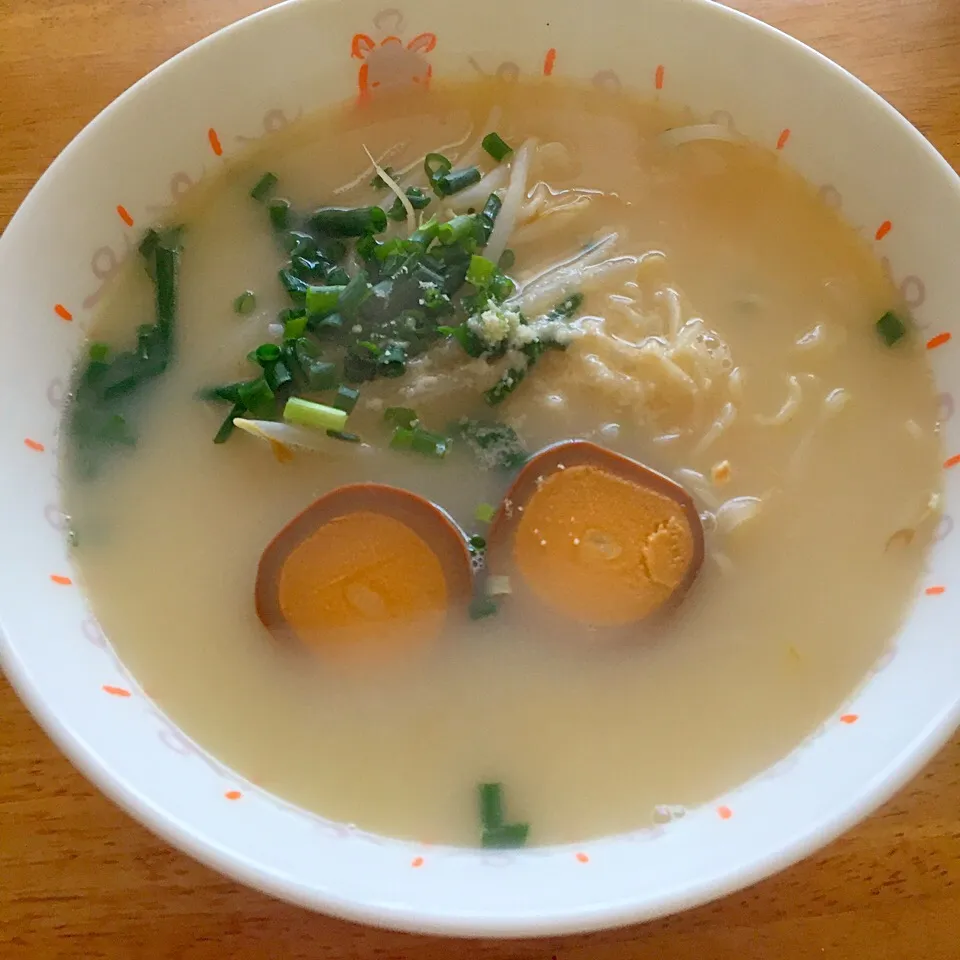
x=496, y=146
x=318, y=416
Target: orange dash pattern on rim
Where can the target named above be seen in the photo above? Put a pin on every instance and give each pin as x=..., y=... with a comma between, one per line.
x=883, y=229
x=951, y=461
x=61, y=580
x=416, y=862
x=938, y=341
x=34, y=445
x=116, y=691
x=62, y=312
x=214, y=142
x=124, y=215
x=233, y=794
x=658, y=77
x=783, y=138
x=582, y=858
x=935, y=591
x=548, y=61
x=849, y=718
x=724, y=812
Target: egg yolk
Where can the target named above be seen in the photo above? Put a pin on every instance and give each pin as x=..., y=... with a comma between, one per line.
x=599, y=548
x=363, y=581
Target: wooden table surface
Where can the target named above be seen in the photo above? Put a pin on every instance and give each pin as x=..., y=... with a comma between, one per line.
x=79, y=878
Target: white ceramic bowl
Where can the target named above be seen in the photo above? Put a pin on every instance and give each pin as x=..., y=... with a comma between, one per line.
x=181, y=123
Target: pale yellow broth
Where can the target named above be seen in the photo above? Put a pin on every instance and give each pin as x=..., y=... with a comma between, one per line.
x=792, y=608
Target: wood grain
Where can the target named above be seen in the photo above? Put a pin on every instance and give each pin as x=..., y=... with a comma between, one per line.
x=78, y=878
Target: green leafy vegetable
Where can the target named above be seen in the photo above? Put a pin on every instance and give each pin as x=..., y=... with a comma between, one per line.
x=494, y=444
x=104, y=387
x=494, y=831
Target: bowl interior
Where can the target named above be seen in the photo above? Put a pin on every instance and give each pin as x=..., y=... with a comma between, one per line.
x=181, y=124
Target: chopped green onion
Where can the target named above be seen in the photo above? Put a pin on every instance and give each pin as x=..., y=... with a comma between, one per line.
x=320, y=375
x=400, y=416
x=99, y=352
x=453, y=181
x=300, y=244
x=294, y=327
x=420, y=441
x=315, y=415
x=321, y=300
x=891, y=328
x=488, y=217
x=168, y=263
x=477, y=542
x=490, y=796
x=354, y=294
x=482, y=607
x=435, y=165
x=459, y=228
x=348, y=222
x=264, y=187
x=148, y=245
x=495, y=833
x=245, y=303
x=496, y=146
x=425, y=234
x=506, y=837
x=402, y=438
x=480, y=271
x=494, y=444
x=472, y=345
x=360, y=362
x=485, y=512
x=227, y=427
x=279, y=210
x=338, y=277
x=378, y=183
x=294, y=286
x=266, y=353
x=566, y=308
x=256, y=397
x=392, y=361
x=505, y=385
x=229, y=392
x=346, y=399
x=277, y=376
x=429, y=444
x=418, y=200
x=346, y=437
x=507, y=259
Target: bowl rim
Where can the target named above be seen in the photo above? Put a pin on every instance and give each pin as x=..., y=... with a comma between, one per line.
x=183, y=836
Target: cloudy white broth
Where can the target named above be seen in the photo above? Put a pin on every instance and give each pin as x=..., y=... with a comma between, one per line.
x=645, y=282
